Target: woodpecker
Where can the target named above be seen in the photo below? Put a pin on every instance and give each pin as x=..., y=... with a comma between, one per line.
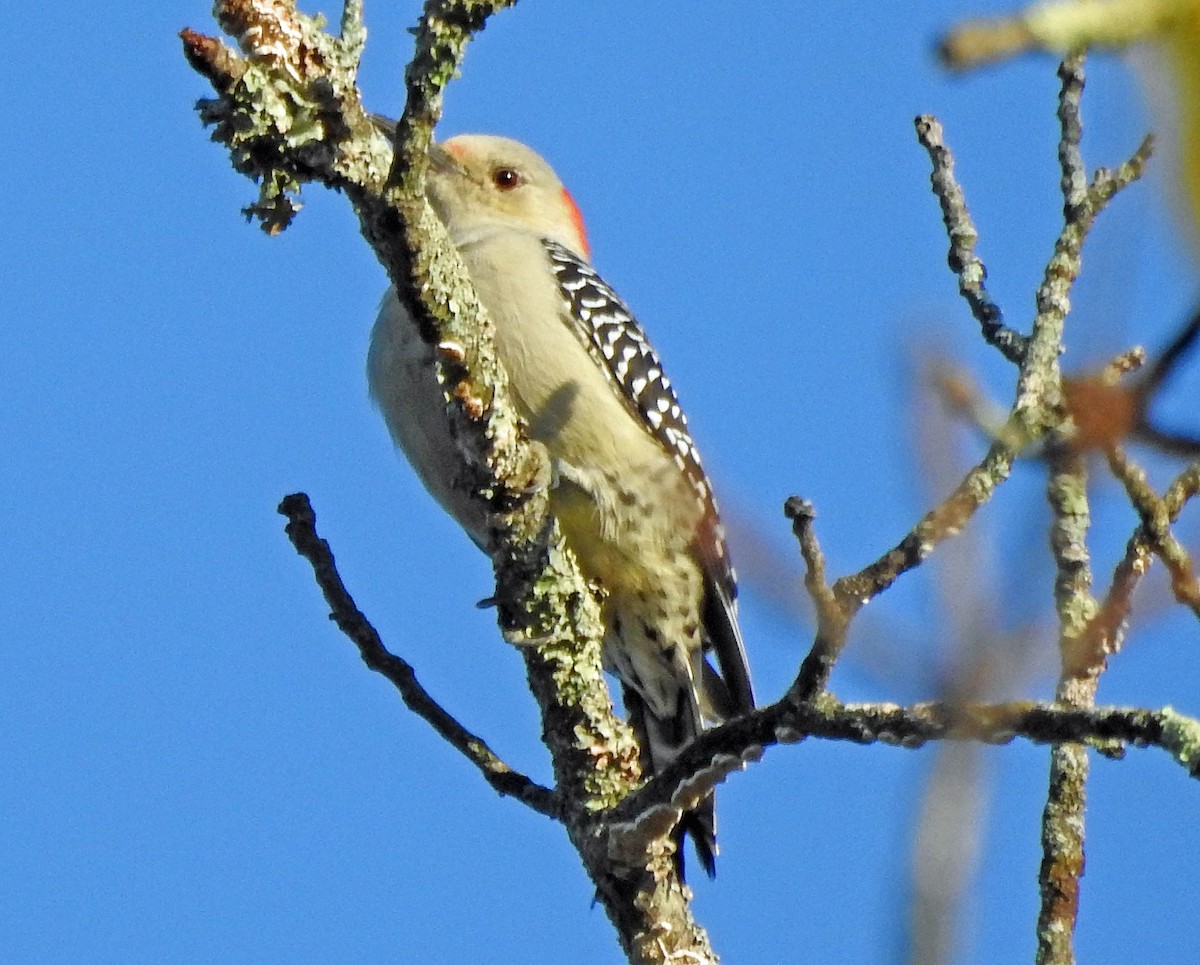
x=629, y=492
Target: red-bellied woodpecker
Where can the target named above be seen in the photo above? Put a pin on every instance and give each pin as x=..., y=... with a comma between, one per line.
x=630, y=495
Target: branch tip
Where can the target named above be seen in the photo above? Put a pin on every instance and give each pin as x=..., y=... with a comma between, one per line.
x=212, y=59
x=962, y=257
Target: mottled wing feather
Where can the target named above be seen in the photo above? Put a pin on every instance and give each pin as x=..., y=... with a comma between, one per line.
x=616, y=340
x=613, y=335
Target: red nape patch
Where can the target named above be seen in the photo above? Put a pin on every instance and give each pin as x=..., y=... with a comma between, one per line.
x=577, y=221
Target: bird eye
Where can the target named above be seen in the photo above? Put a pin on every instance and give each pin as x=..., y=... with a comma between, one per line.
x=506, y=179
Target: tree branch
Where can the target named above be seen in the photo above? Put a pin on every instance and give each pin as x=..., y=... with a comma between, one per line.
x=1060, y=27
x=963, y=260
x=833, y=620
x=302, y=531
x=1157, y=515
x=1038, y=407
x=290, y=114
x=1063, y=818
x=718, y=752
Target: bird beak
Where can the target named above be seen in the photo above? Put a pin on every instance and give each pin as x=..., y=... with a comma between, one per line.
x=440, y=160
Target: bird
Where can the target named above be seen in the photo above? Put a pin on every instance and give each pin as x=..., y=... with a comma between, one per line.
x=630, y=494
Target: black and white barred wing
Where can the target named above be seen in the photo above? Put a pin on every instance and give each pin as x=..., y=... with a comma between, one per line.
x=617, y=342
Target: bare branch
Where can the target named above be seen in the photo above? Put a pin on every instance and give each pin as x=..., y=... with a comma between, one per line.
x=1106, y=631
x=1155, y=531
x=1163, y=367
x=1070, y=159
x=725, y=749
x=1067, y=494
x=1167, y=363
x=1039, y=388
x=302, y=531
x=1062, y=855
x=1039, y=403
x=1063, y=817
x=943, y=521
x=289, y=112
x=963, y=260
x=1059, y=26
x=1171, y=443
x=445, y=29
x=833, y=619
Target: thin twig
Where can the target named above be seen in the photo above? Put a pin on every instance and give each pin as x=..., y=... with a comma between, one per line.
x=1171, y=443
x=1063, y=817
x=1039, y=389
x=1167, y=362
x=940, y=523
x=1035, y=412
x=1062, y=855
x=1185, y=487
x=1074, y=181
x=442, y=35
x=1067, y=494
x=1155, y=530
x=724, y=749
x=1108, y=183
x=1059, y=27
x=851, y=593
x=302, y=531
x=832, y=616
x=1105, y=634
x=1153, y=379
x=963, y=260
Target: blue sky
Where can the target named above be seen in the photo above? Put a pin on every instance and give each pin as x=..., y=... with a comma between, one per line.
x=197, y=767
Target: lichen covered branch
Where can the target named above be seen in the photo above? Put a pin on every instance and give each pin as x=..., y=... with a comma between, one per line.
x=723, y=750
x=964, y=262
x=1060, y=26
x=288, y=110
x=1082, y=661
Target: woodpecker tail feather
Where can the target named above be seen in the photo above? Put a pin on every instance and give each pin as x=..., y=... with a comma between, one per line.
x=730, y=693
x=662, y=738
